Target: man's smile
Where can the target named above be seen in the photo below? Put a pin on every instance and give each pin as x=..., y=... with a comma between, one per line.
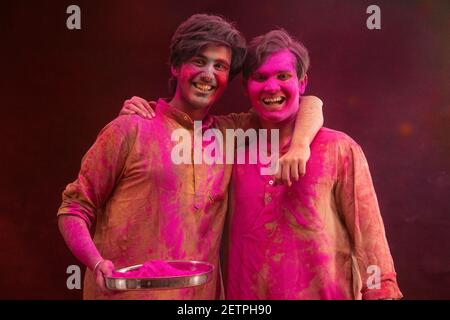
x=203, y=87
x=273, y=101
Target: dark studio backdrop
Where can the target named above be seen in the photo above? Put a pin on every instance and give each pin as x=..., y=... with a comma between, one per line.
x=387, y=88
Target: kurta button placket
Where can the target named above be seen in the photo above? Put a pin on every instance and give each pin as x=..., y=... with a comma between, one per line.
x=267, y=198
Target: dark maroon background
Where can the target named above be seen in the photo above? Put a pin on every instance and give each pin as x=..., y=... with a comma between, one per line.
x=388, y=89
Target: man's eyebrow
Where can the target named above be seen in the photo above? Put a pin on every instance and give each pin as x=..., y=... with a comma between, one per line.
x=269, y=72
x=224, y=62
x=198, y=56
x=284, y=71
x=217, y=60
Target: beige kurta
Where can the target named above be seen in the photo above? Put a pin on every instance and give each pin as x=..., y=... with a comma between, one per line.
x=321, y=238
x=145, y=206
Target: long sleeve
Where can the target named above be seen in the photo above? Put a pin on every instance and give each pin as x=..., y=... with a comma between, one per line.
x=358, y=205
x=243, y=120
x=309, y=121
x=100, y=169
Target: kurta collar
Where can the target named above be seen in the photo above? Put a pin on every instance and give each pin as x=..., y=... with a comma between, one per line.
x=181, y=117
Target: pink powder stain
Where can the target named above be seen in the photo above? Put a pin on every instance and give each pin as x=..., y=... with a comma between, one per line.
x=275, y=248
x=332, y=292
x=303, y=263
x=303, y=193
x=173, y=234
x=159, y=269
x=291, y=263
x=207, y=229
x=168, y=174
x=172, y=229
x=276, y=77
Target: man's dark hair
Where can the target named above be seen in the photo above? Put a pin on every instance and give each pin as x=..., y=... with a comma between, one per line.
x=199, y=31
x=273, y=41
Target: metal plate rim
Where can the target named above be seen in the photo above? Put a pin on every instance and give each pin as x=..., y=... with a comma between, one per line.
x=161, y=283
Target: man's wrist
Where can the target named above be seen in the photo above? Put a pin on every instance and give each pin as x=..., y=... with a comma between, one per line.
x=300, y=143
x=94, y=268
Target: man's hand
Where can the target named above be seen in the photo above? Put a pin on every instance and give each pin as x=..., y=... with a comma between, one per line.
x=104, y=269
x=139, y=106
x=292, y=165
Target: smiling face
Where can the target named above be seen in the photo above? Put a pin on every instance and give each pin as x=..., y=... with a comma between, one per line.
x=274, y=88
x=202, y=79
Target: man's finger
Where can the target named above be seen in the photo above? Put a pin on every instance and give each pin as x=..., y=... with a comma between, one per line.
x=153, y=106
x=143, y=110
x=126, y=110
x=100, y=280
x=137, y=111
x=278, y=172
x=146, y=106
x=301, y=168
x=150, y=110
x=137, y=99
x=105, y=269
x=294, y=171
x=286, y=175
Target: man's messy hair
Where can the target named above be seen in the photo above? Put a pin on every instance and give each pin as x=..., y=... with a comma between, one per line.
x=200, y=31
x=273, y=41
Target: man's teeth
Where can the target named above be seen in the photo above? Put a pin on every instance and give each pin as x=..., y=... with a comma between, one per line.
x=203, y=87
x=276, y=100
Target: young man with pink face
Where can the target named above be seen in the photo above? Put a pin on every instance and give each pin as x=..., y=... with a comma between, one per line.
x=146, y=207
x=321, y=238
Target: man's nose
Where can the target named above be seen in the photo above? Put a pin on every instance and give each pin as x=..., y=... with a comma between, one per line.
x=271, y=86
x=208, y=73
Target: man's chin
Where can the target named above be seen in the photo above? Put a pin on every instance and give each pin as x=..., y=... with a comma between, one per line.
x=202, y=103
x=272, y=117
x=197, y=105
x=274, y=108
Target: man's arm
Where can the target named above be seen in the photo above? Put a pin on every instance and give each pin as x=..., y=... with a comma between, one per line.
x=100, y=170
x=309, y=121
x=78, y=239
x=76, y=234
x=357, y=204
x=292, y=165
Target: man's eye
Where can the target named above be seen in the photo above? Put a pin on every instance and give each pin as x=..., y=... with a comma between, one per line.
x=284, y=76
x=258, y=77
x=197, y=62
x=221, y=67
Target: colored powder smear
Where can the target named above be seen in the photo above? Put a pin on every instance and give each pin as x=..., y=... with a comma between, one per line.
x=157, y=269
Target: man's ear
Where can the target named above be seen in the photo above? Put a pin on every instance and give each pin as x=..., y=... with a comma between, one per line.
x=174, y=70
x=302, y=83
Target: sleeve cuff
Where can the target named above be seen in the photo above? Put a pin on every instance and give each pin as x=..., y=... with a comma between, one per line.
x=388, y=289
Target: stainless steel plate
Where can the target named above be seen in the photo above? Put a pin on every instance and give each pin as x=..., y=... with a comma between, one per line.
x=201, y=274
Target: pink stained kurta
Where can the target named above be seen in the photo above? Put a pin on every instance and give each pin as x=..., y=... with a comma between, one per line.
x=145, y=206
x=314, y=240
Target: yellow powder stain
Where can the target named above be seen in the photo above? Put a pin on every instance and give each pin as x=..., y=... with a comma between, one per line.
x=277, y=257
